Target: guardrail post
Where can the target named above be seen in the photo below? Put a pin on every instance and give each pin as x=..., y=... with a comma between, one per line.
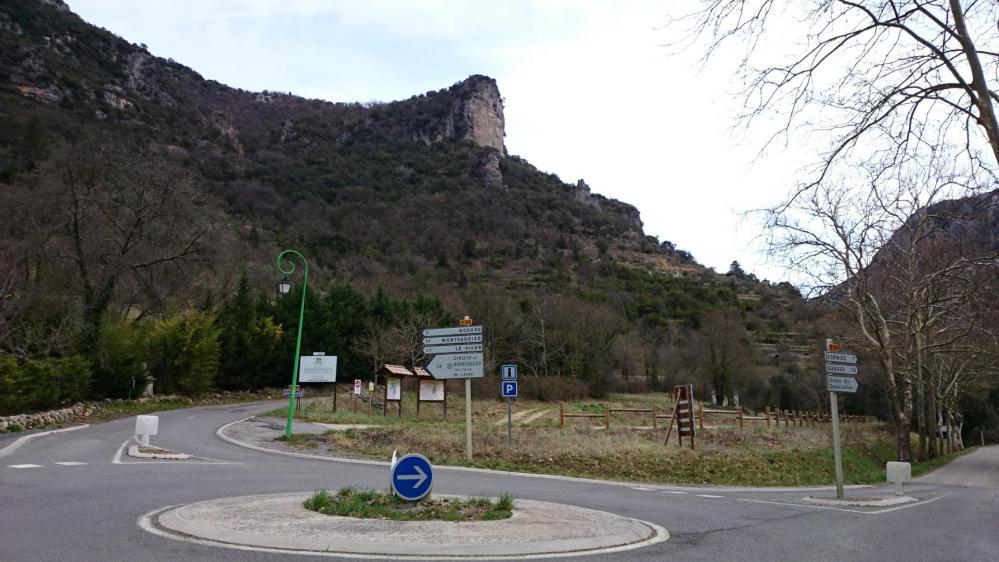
x=607, y=415
x=766, y=413
x=561, y=414
x=653, y=418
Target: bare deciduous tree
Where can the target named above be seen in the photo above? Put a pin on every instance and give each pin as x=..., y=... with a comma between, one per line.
x=119, y=218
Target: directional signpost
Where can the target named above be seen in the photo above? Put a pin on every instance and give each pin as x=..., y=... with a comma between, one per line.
x=841, y=384
x=456, y=353
x=412, y=477
x=509, y=390
x=837, y=365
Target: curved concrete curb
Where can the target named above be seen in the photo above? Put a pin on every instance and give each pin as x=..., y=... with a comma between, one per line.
x=14, y=446
x=220, y=433
x=279, y=523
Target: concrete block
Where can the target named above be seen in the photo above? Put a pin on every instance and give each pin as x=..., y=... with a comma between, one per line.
x=899, y=472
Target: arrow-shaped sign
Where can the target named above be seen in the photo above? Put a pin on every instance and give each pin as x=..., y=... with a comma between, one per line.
x=837, y=369
x=456, y=331
x=420, y=476
x=449, y=340
x=841, y=384
x=464, y=348
x=841, y=357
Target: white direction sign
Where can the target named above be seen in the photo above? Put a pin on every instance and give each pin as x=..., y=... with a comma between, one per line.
x=836, y=369
x=841, y=384
x=449, y=340
x=463, y=348
x=841, y=357
x=456, y=366
x=456, y=331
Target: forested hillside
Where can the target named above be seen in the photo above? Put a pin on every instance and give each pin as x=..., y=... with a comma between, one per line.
x=143, y=206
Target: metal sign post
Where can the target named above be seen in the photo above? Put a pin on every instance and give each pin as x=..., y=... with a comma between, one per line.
x=838, y=364
x=509, y=391
x=456, y=353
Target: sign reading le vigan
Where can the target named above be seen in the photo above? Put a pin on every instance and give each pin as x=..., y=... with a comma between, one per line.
x=317, y=368
x=455, y=353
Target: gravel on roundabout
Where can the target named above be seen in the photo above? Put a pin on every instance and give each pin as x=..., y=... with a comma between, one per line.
x=280, y=523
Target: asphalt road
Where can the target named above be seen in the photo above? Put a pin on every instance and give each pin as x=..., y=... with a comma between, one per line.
x=86, y=508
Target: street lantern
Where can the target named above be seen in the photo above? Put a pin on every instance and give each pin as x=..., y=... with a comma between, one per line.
x=284, y=286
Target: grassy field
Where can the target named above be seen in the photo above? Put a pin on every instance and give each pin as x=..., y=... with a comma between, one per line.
x=629, y=450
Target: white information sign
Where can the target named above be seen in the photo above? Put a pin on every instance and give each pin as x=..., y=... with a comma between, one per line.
x=452, y=331
x=465, y=348
x=841, y=384
x=357, y=387
x=456, y=366
x=837, y=369
x=834, y=357
x=450, y=340
x=431, y=391
x=393, y=389
x=317, y=368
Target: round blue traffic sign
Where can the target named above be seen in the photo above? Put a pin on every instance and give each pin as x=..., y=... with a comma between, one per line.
x=412, y=477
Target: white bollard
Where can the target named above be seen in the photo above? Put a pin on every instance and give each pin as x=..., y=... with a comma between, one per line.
x=899, y=473
x=146, y=426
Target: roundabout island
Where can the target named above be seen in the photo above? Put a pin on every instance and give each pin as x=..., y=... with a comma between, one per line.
x=280, y=523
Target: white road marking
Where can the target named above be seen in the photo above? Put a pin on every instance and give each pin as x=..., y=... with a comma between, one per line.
x=13, y=446
x=641, y=489
x=673, y=492
x=71, y=463
x=24, y=466
x=708, y=496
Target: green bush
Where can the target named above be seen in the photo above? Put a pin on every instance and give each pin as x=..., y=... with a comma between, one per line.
x=42, y=385
x=184, y=353
x=119, y=370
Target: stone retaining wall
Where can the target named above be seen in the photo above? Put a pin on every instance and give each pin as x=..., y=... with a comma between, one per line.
x=52, y=417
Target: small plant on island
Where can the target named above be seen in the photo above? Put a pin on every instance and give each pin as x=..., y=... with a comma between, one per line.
x=372, y=504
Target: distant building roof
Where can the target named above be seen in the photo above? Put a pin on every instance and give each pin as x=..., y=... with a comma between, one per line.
x=395, y=370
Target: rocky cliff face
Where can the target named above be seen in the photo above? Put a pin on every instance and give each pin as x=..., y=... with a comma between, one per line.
x=477, y=114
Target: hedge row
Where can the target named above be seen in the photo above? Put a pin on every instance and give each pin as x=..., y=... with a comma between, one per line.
x=42, y=385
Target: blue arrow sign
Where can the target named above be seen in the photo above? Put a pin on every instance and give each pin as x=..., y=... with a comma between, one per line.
x=509, y=389
x=412, y=477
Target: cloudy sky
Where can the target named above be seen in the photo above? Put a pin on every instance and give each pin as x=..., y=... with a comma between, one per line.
x=593, y=90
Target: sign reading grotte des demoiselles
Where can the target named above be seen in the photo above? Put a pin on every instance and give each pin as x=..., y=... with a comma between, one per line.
x=317, y=368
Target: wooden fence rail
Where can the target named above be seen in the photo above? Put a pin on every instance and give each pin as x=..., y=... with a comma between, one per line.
x=795, y=418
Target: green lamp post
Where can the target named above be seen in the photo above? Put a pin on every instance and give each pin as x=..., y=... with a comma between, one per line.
x=284, y=287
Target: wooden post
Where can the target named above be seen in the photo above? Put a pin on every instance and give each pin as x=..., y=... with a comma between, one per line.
x=653, y=417
x=334, y=398
x=561, y=414
x=740, y=418
x=607, y=415
x=766, y=413
x=385, y=398
x=700, y=421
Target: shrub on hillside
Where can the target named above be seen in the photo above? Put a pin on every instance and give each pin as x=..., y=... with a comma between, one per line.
x=184, y=353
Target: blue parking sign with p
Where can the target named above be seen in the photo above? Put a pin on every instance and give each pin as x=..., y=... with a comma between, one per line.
x=509, y=389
